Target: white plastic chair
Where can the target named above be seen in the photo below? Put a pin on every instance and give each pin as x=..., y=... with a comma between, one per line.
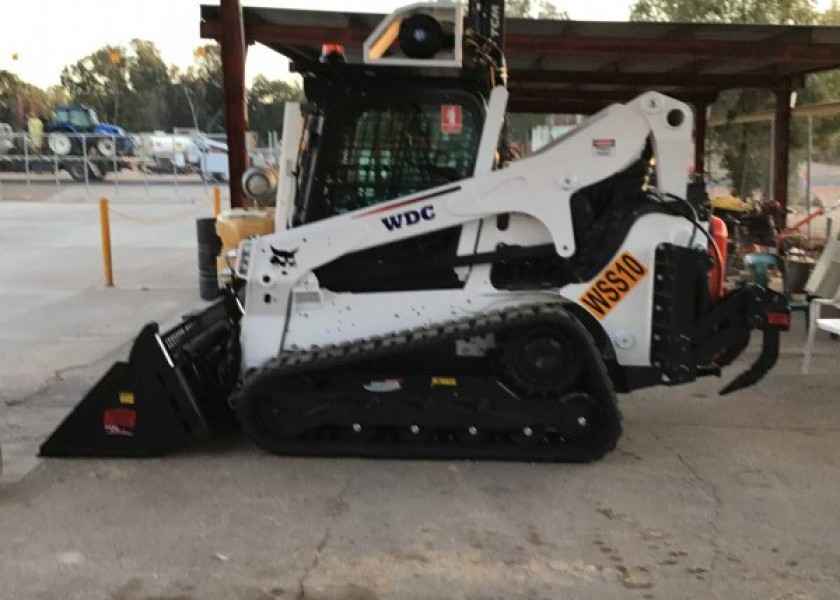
x=824, y=280
x=825, y=277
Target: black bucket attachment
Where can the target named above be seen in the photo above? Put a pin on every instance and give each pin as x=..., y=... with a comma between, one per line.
x=172, y=391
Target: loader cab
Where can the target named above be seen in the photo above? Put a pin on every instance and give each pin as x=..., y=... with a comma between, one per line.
x=373, y=136
x=79, y=116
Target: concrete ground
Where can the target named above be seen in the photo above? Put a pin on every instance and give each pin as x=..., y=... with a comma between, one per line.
x=57, y=317
x=125, y=187
x=705, y=497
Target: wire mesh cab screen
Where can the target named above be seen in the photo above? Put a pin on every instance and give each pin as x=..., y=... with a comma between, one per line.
x=383, y=152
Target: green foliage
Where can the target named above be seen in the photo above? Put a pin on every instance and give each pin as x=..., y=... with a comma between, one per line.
x=526, y=9
x=826, y=88
x=135, y=88
x=148, y=77
x=101, y=83
x=56, y=95
x=17, y=98
x=519, y=125
x=266, y=100
x=744, y=150
x=790, y=12
x=201, y=84
x=9, y=94
x=832, y=14
x=541, y=9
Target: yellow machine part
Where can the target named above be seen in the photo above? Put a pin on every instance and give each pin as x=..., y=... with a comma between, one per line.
x=730, y=203
x=233, y=226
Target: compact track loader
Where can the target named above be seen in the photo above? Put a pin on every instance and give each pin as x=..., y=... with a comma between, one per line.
x=425, y=296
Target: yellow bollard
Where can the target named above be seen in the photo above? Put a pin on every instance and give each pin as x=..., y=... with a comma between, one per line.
x=217, y=201
x=105, y=226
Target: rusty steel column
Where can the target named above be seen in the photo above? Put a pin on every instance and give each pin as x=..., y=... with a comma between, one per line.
x=236, y=116
x=700, y=109
x=781, y=151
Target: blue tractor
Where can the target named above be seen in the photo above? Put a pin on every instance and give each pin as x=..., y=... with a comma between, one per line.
x=75, y=130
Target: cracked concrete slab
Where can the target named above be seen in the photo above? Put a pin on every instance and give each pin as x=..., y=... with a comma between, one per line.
x=59, y=323
x=682, y=510
x=705, y=497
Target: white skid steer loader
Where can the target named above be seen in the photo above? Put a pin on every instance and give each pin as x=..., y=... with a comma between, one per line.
x=422, y=296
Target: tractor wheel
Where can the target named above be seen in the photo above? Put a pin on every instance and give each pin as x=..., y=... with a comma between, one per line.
x=106, y=146
x=61, y=143
x=95, y=171
x=77, y=170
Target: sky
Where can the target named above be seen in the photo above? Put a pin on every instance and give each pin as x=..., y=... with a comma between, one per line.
x=46, y=35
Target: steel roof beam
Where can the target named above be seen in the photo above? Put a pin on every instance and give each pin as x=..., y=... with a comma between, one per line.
x=615, y=95
x=697, y=80
x=676, y=49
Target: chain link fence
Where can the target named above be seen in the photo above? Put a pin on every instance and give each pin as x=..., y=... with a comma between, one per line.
x=145, y=165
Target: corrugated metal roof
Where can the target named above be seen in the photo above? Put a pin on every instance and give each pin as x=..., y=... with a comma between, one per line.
x=593, y=62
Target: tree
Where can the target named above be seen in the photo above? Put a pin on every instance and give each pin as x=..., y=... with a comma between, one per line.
x=520, y=125
x=787, y=12
x=832, y=14
x=266, y=101
x=126, y=86
x=9, y=94
x=745, y=148
x=826, y=88
x=202, y=85
x=541, y=9
x=57, y=95
x=135, y=87
x=527, y=9
x=149, y=78
x=18, y=97
x=99, y=80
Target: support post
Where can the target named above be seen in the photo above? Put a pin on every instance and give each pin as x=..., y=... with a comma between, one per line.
x=700, y=108
x=781, y=152
x=105, y=230
x=808, y=172
x=236, y=117
x=217, y=201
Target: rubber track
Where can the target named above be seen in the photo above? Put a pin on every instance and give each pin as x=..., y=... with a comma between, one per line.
x=260, y=382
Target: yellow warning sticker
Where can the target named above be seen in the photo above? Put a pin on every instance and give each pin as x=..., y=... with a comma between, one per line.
x=613, y=285
x=126, y=397
x=444, y=381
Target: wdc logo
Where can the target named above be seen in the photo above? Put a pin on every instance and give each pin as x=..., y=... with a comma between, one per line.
x=408, y=218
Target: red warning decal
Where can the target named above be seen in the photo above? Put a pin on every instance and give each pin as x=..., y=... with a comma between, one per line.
x=450, y=119
x=603, y=147
x=119, y=421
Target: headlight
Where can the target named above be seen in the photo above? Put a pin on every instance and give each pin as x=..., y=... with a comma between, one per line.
x=260, y=185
